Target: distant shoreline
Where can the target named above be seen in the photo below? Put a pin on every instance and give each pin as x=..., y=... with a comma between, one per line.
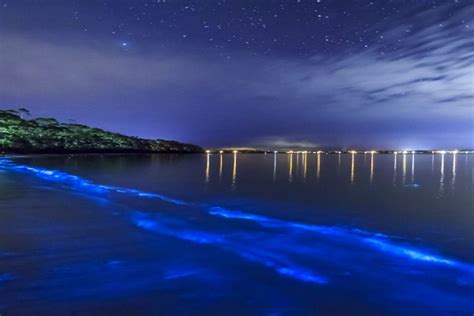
x=343, y=152
x=73, y=154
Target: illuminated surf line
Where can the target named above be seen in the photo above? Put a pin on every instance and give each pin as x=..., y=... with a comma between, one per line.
x=59, y=176
x=286, y=269
x=277, y=223
x=143, y=221
x=376, y=241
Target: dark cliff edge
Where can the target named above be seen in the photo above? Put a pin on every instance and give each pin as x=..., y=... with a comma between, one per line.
x=48, y=136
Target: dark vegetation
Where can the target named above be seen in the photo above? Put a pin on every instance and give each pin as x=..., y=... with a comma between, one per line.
x=47, y=135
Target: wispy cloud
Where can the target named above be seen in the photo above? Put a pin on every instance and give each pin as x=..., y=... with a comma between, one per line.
x=424, y=81
x=276, y=142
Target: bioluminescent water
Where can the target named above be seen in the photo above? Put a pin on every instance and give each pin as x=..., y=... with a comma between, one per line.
x=237, y=234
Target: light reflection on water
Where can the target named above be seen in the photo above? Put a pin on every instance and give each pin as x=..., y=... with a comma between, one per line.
x=208, y=156
x=299, y=167
x=339, y=162
x=303, y=163
x=371, y=168
x=318, y=165
x=441, y=181
x=276, y=221
x=274, y=166
x=453, y=181
x=290, y=167
x=404, y=167
x=395, y=168
x=221, y=165
x=234, y=171
x=352, y=167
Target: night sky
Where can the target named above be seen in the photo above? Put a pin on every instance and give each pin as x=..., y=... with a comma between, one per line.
x=369, y=74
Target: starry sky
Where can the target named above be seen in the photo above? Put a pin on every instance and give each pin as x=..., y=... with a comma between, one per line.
x=368, y=74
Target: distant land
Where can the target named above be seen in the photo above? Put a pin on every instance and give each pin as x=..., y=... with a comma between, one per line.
x=336, y=152
x=19, y=135
x=46, y=135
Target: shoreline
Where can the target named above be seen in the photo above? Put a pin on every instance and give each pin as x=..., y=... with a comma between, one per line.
x=35, y=155
x=11, y=155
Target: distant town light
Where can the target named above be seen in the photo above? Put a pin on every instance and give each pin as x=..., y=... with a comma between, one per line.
x=352, y=151
x=221, y=151
x=208, y=151
x=235, y=151
x=275, y=152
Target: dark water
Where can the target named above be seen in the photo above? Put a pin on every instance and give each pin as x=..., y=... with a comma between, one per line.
x=237, y=235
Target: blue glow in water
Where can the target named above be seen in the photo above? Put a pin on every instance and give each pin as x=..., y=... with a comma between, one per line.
x=216, y=210
x=286, y=270
x=270, y=222
x=302, y=275
x=5, y=277
x=197, y=237
x=114, y=263
x=376, y=241
x=268, y=260
x=357, y=235
x=179, y=273
x=409, y=252
x=58, y=176
x=143, y=221
x=145, y=224
x=293, y=250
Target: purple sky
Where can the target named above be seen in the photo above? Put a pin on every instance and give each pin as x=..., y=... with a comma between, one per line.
x=381, y=74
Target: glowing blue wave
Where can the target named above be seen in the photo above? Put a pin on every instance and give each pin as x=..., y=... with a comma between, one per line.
x=75, y=181
x=278, y=264
x=5, y=277
x=376, y=241
x=178, y=274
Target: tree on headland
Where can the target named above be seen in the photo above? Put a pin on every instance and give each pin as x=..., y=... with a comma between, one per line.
x=46, y=121
x=14, y=112
x=23, y=112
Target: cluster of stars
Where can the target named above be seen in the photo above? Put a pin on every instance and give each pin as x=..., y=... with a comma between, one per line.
x=292, y=27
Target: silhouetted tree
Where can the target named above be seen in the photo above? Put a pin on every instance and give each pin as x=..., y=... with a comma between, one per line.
x=23, y=112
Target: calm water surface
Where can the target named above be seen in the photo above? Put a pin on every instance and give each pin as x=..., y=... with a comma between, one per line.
x=237, y=235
